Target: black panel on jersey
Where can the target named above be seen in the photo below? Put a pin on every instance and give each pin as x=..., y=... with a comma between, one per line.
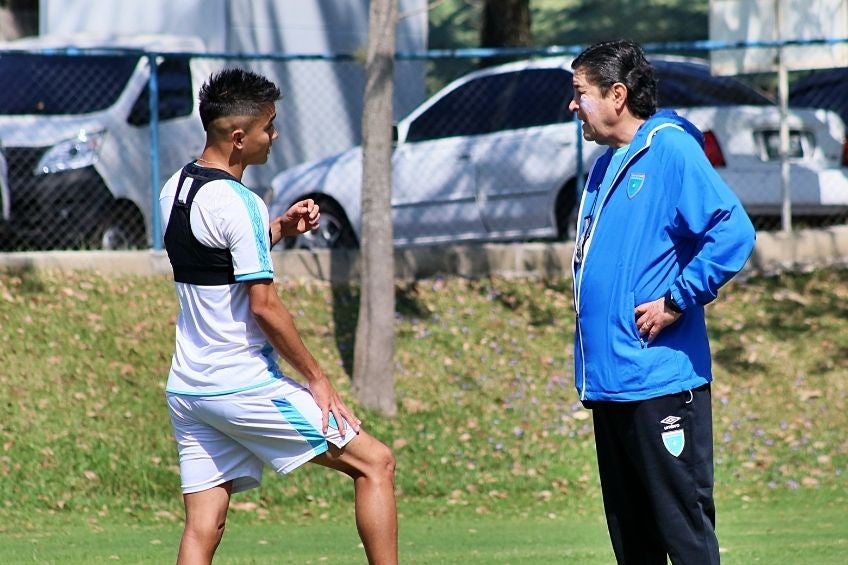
x=193, y=262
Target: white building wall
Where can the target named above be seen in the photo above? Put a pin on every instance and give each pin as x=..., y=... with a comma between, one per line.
x=320, y=113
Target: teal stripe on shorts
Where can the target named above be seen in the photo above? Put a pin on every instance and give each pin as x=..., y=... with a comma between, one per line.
x=312, y=435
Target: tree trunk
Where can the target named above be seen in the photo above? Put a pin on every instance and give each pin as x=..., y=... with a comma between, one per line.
x=373, y=371
x=505, y=23
x=18, y=18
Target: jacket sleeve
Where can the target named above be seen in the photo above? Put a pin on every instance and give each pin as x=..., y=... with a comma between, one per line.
x=709, y=217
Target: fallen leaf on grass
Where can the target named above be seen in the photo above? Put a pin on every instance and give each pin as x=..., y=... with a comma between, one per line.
x=413, y=406
x=791, y=296
x=807, y=394
x=399, y=443
x=244, y=506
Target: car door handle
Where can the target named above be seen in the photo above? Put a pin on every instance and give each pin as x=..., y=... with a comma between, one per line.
x=463, y=157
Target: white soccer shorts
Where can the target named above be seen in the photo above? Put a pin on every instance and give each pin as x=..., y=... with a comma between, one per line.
x=230, y=437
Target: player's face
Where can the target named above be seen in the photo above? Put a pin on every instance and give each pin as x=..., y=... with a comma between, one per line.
x=592, y=107
x=260, y=135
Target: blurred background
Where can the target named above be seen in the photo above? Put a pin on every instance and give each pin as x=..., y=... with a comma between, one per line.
x=99, y=108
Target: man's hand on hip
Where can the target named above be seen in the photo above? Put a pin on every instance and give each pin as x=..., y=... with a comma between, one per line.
x=653, y=317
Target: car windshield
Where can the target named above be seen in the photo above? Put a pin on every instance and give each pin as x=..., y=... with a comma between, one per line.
x=822, y=89
x=688, y=85
x=61, y=84
x=498, y=102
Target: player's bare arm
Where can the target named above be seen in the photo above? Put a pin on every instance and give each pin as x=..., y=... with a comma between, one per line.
x=278, y=325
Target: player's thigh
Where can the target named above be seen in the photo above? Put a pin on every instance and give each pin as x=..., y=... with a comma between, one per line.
x=208, y=455
x=207, y=509
x=281, y=425
x=365, y=454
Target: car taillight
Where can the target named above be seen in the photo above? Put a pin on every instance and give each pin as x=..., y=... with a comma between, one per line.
x=845, y=153
x=713, y=150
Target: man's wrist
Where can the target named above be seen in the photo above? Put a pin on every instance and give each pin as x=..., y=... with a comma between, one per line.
x=671, y=303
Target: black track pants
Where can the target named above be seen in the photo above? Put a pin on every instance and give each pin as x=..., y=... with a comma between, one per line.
x=655, y=459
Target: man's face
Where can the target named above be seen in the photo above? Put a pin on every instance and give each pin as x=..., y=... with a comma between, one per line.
x=595, y=110
x=260, y=133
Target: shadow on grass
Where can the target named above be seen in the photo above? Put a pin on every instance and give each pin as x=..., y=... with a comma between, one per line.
x=539, y=311
x=782, y=310
x=346, y=315
x=30, y=280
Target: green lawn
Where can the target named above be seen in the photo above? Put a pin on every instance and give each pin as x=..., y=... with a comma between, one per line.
x=495, y=455
x=795, y=529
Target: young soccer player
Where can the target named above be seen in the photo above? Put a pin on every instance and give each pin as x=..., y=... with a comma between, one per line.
x=232, y=410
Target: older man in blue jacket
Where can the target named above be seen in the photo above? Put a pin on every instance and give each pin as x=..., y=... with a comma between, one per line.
x=659, y=232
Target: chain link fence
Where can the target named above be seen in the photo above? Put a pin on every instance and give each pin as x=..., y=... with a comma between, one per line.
x=482, y=152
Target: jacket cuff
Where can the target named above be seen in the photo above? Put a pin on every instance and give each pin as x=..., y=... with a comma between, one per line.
x=679, y=299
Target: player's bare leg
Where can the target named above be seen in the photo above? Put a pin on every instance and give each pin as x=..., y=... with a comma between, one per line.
x=206, y=516
x=371, y=465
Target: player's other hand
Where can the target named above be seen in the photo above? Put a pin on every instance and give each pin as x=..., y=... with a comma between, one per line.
x=330, y=402
x=302, y=217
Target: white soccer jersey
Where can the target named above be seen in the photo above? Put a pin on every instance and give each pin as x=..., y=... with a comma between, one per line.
x=220, y=349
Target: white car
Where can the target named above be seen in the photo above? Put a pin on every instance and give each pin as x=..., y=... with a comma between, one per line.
x=741, y=129
x=4, y=197
x=493, y=156
x=823, y=89
x=77, y=133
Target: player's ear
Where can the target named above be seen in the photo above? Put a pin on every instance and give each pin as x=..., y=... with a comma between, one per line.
x=237, y=136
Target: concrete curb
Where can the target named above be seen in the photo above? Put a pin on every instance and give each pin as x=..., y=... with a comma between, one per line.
x=775, y=252
x=803, y=250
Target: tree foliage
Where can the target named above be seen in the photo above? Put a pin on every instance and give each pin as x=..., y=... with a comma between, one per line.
x=585, y=22
x=458, y=23
x=505, y=23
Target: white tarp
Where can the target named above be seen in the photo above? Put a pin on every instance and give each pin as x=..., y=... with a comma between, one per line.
x=321, y=111
x=756, y=20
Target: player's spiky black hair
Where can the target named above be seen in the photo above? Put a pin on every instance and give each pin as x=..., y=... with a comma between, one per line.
x=235, y=92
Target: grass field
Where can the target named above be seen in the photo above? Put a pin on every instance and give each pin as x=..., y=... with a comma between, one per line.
x=792, y=528
x=495, y=455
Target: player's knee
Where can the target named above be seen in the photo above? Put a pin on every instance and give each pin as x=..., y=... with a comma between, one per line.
x=206, y=529
x=382, y=463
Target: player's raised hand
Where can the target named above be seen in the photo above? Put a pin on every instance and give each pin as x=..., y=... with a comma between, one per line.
x=302, y=217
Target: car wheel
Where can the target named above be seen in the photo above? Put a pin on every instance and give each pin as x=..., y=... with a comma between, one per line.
x=120, y=229
x=334, y=231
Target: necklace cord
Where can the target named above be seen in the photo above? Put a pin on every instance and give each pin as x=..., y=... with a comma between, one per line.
x=201, y=159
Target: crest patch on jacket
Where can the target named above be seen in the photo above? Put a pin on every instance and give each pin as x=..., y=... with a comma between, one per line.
x=635, y=184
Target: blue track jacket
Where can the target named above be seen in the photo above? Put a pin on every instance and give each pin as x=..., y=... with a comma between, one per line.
x=668, y=222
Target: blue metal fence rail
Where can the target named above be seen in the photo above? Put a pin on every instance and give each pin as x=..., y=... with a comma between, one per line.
x=706, y=46
x=432, y=54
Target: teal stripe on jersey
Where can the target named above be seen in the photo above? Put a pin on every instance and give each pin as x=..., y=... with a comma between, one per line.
x=313, y=436
x=222, y=392
x=256, y=221
x=264, y=275
x=273, y=368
